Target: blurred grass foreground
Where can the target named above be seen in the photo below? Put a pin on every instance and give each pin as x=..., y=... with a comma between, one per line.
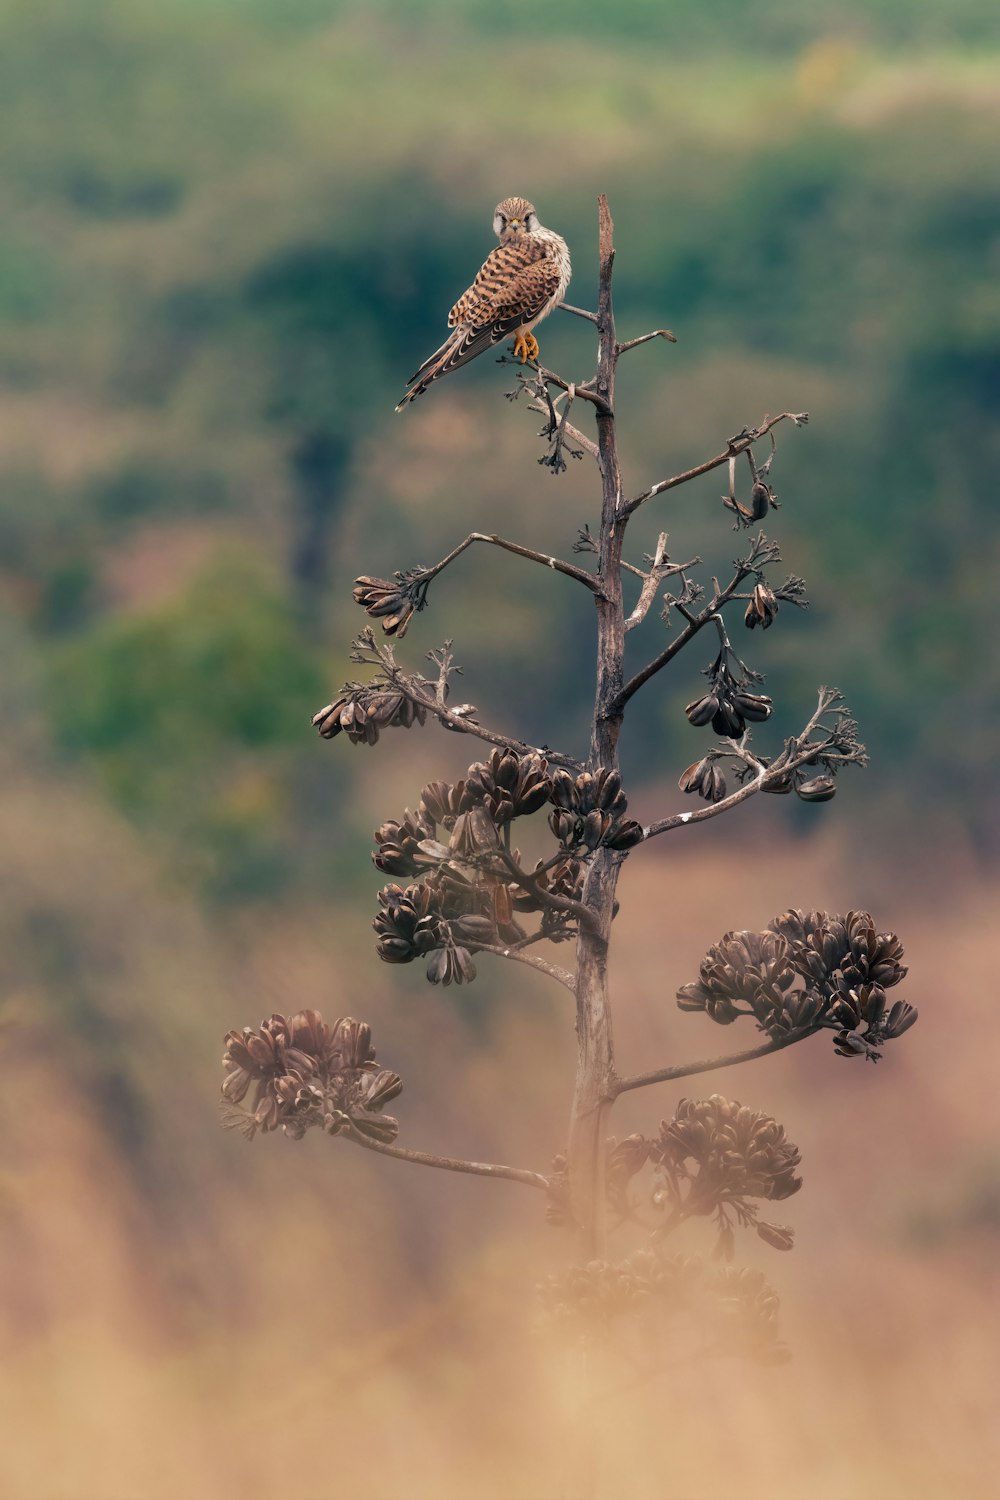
x=229, y=231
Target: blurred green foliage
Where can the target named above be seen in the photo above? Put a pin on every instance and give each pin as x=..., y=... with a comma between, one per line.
x=231, y=229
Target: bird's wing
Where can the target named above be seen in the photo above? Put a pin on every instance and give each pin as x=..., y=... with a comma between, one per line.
x=516, y=276
x=512, y=288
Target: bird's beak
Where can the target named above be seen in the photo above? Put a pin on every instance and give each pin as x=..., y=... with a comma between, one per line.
x=514, y=224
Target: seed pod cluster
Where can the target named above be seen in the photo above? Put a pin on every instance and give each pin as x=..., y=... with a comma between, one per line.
x=728, y=705
x=723, y=1152
x=392, y=603
x=363, y=711
x=705, y=778
x=399, y=842
x=509, y=785
x=733, y=1309
x=807, y=970
x=762, y=609
x=304, y=1073
x=409, y=924
x=589, y=811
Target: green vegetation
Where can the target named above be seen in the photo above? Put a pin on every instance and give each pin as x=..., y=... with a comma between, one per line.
x=231, y=230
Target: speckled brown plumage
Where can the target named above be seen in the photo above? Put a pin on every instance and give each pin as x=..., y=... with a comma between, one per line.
x=517, y=285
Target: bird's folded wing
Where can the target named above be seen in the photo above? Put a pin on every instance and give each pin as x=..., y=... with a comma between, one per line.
x=511, y=289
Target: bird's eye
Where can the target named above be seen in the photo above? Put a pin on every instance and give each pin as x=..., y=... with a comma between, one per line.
x=531, y=222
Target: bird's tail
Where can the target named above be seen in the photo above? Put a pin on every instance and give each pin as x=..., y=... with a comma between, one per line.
x=430, y=370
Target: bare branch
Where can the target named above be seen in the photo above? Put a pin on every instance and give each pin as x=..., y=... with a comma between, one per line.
x=572, y=433
x=711, y=1064
x=578, y=312
x=650, y=584
x=735, y=446
x=584, y=391
x=553, y=971
x=644, y=338
x=448, y=1163
x=464, y=725
x=798, y=752
x=430, y=696
x=570, y=569
x=660, y=568
x=531, y=884
x=691, y=629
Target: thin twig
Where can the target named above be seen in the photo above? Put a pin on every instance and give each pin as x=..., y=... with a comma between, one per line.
x=449, y=1163
x=659, y=570
x=711, y=1064
x=644, y=338
x=463, y=725
x=578, y=312
x=556, y=564
x=736, y=445
x=691, y=629
x=779, y=770
x=585, y=392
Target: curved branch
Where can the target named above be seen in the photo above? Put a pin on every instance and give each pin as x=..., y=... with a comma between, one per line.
x=735, y=446
x=779, y=769
x=531, y=884
x=695, y=623
x=449, y=1163
x=561, y=976
x=644, y=338
x=570, y=569
x=584, y=391
x=461, y=725
x=711, y=1064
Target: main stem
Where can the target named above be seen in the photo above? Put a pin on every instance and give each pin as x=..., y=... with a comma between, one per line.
x=595, y=1068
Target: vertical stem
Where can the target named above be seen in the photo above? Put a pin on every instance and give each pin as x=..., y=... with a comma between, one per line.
x=595, y=1042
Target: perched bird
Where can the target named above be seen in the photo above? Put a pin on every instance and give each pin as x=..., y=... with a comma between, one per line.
x=521, y=281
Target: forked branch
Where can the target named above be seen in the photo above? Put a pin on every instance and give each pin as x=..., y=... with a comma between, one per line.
x=734, y=447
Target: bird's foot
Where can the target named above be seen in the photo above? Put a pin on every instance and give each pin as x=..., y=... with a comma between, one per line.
x=526, y=348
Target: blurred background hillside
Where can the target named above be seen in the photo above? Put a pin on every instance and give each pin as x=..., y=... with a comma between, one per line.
x=229, y=230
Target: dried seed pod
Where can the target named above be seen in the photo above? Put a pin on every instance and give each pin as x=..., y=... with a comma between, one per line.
x=727, y=721
x=628, y=834
x=761, y=500
x=392, y=603
x=702, y=710
x=705, y=778
x=762, y=609
x=778, y=1236
x=818, y=789
x=753, y=706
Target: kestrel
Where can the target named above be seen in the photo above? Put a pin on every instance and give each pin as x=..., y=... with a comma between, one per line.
x=519, y=283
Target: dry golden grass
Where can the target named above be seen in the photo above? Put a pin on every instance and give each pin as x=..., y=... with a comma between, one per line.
x=187, y=1314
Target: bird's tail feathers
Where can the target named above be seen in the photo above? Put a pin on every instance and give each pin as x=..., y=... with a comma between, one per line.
x=429, y=370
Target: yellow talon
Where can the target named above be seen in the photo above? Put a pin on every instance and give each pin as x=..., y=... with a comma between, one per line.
x=525, y=347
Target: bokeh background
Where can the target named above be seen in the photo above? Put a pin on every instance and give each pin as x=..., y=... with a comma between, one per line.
x=229, y=230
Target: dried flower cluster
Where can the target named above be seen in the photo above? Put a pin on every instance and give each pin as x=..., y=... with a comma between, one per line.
x=467, y=887
x=305, y=1072
x=711, y=1158
x=729, y=704
x=393, y=603
x=807, y=970
x=730, y=1310
x=363, y=710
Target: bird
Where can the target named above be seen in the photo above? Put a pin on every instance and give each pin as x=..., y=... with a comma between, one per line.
x=518, y=284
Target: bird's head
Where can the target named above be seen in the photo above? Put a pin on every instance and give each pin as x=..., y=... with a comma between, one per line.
x=514, y=216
